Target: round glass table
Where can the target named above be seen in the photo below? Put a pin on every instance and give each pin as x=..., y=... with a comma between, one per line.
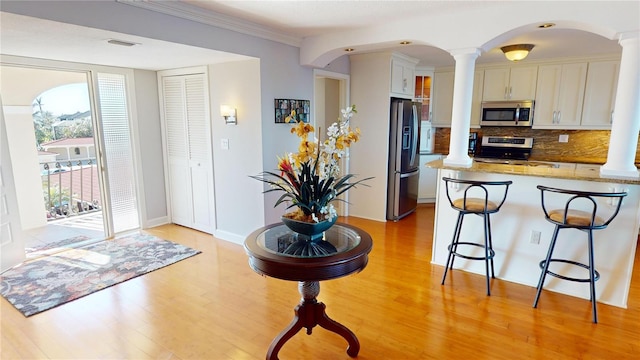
x=265, y=248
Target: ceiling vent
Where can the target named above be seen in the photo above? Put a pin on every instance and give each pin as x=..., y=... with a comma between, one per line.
x=121, y=42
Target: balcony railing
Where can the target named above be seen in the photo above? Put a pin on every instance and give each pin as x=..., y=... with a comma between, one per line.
x=70, y=187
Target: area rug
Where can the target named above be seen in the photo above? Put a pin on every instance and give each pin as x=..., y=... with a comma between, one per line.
x=63, y=276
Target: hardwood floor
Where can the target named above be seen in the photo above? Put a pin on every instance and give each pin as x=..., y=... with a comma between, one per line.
x=213, y=306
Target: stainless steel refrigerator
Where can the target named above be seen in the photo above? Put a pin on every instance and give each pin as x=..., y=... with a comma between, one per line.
x=404, y=158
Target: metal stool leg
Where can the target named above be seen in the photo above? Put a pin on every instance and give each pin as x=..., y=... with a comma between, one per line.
x=493, y=273
x=592, y=280
x=545, y=268
x=487, y=245
x=453, y=246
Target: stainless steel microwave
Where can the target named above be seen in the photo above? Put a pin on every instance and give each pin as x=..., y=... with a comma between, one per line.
x=507, y=113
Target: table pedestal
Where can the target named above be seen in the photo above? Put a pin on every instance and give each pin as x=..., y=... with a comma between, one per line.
x=310, y=313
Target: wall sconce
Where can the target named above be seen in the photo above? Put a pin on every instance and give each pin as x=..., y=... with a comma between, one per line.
x=516, y=52
x=229, y=114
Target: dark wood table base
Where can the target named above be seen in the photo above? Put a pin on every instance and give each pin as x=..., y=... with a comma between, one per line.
x=308, y=314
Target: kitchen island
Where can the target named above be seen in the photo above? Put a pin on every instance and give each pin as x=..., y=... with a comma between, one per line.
x=513, y=228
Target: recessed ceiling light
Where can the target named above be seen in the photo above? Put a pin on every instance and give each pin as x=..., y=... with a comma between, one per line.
x=121, y=42
x=405, y=42
x=547, y=25
x=349, y=49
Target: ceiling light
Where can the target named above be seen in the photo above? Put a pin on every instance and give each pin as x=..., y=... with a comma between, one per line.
x=546, y=25
x=120, y=42
x=349, y=49
x=405, y=42
x=516, y=52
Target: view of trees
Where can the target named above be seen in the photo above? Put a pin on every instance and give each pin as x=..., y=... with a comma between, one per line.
x=48, y=127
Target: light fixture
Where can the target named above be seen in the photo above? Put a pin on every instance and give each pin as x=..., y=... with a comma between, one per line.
x=229, y=114
x=516, y=52
x=405, y=42
x=349, y=49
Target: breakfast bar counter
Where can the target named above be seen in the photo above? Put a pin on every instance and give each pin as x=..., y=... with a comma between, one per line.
x=521, y=235
x=568, y=171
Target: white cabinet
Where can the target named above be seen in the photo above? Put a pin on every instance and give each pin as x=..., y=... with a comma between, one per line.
x=559, y=96
x=476, y=102
x=515, y=83
x=402, y=76
x=442, y=104
x=600, y=94
x=422, y=94
x=428, y=179
x=442, y=99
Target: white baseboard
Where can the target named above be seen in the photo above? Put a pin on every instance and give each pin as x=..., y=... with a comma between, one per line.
x=155, y=222
x=230, y=237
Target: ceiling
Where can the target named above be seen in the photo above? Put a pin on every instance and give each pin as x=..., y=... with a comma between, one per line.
x=32, y=37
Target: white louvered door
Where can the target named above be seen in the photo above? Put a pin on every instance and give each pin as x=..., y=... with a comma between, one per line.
x=188, y=150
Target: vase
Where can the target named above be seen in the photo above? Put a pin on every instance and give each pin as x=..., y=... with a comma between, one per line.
x=309, y=240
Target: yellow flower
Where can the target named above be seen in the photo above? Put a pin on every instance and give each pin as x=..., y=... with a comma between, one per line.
x=302, y=129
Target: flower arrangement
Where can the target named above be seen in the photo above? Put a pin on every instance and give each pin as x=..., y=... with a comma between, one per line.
x=310, y=179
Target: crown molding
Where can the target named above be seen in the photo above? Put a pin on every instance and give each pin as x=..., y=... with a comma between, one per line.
x=193, y=13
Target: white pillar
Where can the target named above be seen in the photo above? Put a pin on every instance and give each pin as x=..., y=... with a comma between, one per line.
x=625, y=128
x=461, y=112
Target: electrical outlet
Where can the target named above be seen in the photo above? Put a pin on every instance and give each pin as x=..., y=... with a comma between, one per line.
x=224, y=144
x=563, y=138
x=535, y=237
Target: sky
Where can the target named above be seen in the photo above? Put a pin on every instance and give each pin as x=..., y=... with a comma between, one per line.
x=66, y=99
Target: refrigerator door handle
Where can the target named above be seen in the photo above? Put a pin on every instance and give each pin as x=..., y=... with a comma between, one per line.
x=409, y=174
x=414, y=144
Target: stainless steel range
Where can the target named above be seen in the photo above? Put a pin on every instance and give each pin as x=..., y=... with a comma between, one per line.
x=506, y=147
x=511, y=150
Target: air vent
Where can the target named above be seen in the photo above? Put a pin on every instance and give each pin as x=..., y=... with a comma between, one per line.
x=121, y=42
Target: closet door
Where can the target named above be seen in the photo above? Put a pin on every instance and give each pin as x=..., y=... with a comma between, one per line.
x=188, y=150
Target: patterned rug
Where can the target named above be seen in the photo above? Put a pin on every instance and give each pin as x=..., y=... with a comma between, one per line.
x=66, y=275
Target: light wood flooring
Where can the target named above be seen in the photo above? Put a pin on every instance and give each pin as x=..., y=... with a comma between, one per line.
x=213, y=306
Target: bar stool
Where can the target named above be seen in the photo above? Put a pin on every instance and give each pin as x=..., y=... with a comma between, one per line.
x=479, y=205
x=580, y=212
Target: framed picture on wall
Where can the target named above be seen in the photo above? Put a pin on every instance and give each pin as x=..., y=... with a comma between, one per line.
x=284, y=107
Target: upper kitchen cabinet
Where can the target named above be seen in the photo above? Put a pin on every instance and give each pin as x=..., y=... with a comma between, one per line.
x=403, y=76
x=422, y=94
x=600, y=94
x=510, y=83
x=442, y=98
x=476, y=102
x=559, y=95
x=442, y=104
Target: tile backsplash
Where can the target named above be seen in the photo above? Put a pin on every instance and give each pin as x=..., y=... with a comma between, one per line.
x=584, y=146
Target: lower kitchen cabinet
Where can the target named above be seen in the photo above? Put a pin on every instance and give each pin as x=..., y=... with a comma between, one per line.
x=428, y=179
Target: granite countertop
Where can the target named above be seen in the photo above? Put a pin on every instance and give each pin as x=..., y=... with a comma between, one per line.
x=571, y=171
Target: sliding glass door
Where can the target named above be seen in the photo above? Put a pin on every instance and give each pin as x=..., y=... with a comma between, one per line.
x=115, y=152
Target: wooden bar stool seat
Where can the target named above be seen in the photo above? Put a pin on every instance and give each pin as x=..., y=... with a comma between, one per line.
x=475, y=200
x=581, y=212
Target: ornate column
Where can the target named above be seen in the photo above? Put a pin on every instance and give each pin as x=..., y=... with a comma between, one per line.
x=623, y=141
x=461, y=112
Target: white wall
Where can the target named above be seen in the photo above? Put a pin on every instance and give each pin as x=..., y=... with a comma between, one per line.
x=370, y=84
x=24, y=161
x=150, y=148
x=237, y=84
